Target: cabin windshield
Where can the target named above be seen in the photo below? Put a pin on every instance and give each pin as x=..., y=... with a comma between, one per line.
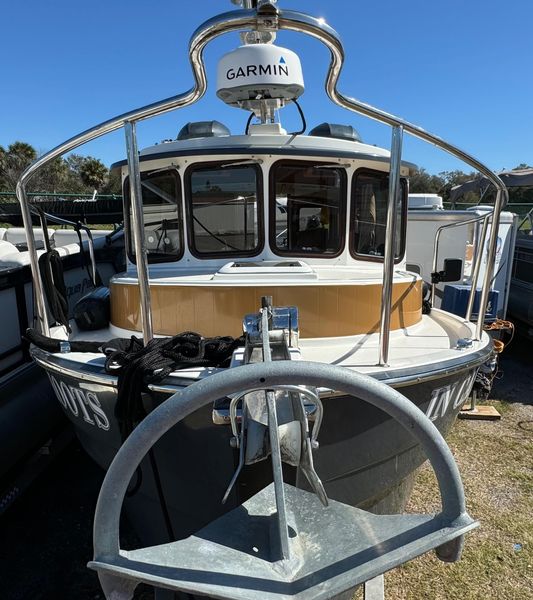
x=224, y=205
x=161, y=196
x=370, y=193
x=307, y=209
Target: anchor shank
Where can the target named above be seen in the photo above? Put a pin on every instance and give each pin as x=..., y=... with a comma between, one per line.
x=277, y=474
x=267, y=353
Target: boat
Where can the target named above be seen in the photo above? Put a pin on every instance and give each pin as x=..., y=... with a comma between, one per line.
x=259, y=340
x=521, y=284
x=521, y=293
x=33, y=429
x=435, y=233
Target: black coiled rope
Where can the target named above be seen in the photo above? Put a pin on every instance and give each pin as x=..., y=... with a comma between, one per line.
x=137, y=365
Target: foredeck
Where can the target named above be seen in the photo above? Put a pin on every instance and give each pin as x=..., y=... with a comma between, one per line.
x=415, y=352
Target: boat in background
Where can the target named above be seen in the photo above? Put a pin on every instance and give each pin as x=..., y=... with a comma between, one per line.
x=435, y=234
x=521, y=282
x=32, y=425
x=521, y=294
x=298, y=242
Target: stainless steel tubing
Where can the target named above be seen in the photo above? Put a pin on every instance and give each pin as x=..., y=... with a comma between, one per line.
x=231, y=21
x=90, y=244
x=328, y=36
x=529, y=218
x=477, y=267
x=436, y=245
x=235, y=21
x=390, y=244
x=501, y=200
x=90, y=240
x=38, y=291
x=141, y=257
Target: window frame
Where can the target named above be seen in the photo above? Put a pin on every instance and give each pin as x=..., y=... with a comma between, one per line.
x=154, y=259
x=272, y=209
x=404, y=186
x=204, y=166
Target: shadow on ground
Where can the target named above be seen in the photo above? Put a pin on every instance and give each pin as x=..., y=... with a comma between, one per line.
x=515, y=380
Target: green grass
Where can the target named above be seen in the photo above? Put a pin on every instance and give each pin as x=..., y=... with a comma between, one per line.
x=496, y=464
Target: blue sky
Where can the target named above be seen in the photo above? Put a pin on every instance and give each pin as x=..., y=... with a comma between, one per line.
x=460, y=69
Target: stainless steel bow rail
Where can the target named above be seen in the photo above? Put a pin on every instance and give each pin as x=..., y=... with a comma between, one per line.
x=282, y=543
x=262, y=15
x=477, y=259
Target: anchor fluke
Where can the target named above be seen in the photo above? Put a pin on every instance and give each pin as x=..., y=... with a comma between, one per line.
x=275, y=422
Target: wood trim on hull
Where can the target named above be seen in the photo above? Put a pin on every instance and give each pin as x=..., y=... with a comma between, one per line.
x=324, y=310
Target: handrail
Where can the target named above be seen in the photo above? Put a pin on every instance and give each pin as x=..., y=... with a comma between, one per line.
x=231, y=21
x=137, y=219
x=437, y=239
x=266, y=17
x=390, y=244
x=76, y=226
x=478, y=259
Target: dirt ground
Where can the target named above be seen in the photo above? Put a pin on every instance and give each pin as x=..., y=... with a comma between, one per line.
x=45, y=539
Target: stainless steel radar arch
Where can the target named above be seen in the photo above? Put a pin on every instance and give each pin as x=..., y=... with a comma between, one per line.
x=266, y=17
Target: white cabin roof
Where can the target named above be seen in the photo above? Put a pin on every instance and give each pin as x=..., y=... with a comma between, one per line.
x=257, y=143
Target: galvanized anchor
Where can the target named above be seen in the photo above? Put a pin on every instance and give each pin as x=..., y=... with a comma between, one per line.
x=282, y=543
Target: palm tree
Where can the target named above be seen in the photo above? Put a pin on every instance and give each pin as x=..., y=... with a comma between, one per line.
x=93, y=172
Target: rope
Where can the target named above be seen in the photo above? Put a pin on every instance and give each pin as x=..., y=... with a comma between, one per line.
x=51, y=269
x=138, y=365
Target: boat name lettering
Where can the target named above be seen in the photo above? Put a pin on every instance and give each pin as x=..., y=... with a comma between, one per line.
x=81, y=403
x=450, y=396
x=255, y=70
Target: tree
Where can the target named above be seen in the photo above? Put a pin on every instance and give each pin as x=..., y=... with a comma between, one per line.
x=113, y=184
x=13, y=161
x=53, y=177
x=93, y=173
x=75, y=183
x=457, y=177
x=422, y=182
x=71, y=175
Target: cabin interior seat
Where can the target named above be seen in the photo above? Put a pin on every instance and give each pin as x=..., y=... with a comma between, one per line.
x=17, y=235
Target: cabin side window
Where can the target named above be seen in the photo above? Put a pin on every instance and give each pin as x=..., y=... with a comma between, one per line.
x=370, y=193
x=161, y=200
x=224, y=206
x=307, y=209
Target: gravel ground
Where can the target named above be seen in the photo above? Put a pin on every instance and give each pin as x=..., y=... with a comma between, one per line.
x=45, y=539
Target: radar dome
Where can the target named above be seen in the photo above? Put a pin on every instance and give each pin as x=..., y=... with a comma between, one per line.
x=258, y=72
